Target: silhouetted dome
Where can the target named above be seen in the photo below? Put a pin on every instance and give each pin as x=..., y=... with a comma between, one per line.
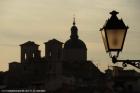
x=76, y=43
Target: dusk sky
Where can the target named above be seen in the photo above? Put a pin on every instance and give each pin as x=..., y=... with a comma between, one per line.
x=42, y=20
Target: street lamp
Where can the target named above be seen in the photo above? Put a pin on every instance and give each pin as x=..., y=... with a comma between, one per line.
x=113, y=34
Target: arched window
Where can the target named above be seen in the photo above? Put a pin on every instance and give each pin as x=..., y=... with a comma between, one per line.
x=50, y=54
x=25, y=57
x=33, y=56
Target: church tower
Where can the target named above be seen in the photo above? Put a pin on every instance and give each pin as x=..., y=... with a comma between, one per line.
x=53, y=55
x=74, y=48
x=53, y=50
x=30, y=52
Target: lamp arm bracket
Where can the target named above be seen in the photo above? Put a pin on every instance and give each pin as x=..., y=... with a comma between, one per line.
x=135, y=63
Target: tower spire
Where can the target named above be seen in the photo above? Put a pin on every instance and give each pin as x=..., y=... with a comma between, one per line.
x=74, y=30
x=74, y=20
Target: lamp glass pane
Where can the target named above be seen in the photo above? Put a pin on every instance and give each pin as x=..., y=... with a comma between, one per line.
x=115, y=38
x=104, y=40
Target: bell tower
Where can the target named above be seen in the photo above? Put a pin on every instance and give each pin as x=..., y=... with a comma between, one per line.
x=53, y=50
x=29, y=52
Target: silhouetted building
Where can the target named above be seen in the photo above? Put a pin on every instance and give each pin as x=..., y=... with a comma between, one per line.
x=63, y=69
x=53, y=55
x=75, y=49
x=123, y=81
x=29, y=52
x=53, y=50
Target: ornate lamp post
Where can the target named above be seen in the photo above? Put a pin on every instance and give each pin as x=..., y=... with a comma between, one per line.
x=113, y=34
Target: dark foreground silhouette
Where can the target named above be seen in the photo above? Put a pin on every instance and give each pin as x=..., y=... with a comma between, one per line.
x=65, y=69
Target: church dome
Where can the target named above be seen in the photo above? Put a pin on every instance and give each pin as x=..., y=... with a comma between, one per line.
x=75, y=44
x=74, y=48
